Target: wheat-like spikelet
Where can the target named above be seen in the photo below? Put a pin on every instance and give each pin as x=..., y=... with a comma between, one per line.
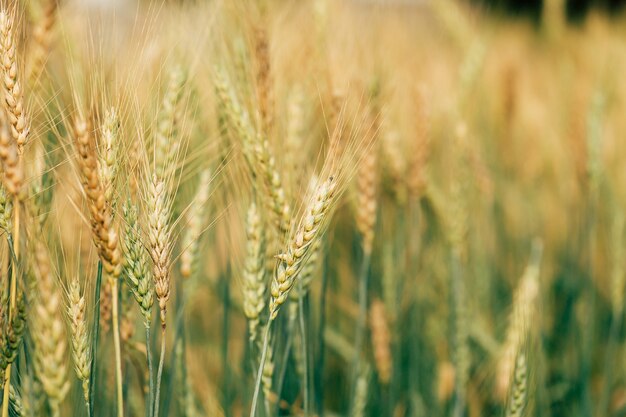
x=136, y=270
x=517, y=401
x=159, y=242
x=12, y=331
x=521, y=318
x=49, y=332
x=266, y=165
x=307, y=273
x=300, y=244
x=16, y=402
x=263, y=78
x=42, y=35
x=81, y=351
x=12, y=166
x=294, y=136
x=361, y=397
x=166, y=141
x=127, y=324
x=12, y=87
x=106, y=306
x=254, y=271
x=268, y=374
x=104, y=235
x=33, y=397
x=196, y=219
x=381, y=340
x=416, y=178
x=367, y=200
x=257, y=152
x=6, y=211
x=108, y=161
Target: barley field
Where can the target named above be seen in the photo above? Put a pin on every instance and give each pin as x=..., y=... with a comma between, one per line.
x=311, y=208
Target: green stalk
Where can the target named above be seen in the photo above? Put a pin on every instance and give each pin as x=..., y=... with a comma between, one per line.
x=259, y=375
x=159, y=374
x=117, y=345
x=150, y=399
x=305, y=373
x=94, y=342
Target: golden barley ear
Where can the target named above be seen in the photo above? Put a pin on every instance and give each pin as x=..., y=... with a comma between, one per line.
x=12, y=83
x=381, y=341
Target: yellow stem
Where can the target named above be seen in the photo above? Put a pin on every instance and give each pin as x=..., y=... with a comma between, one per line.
x=16, y=250
x=118, y=352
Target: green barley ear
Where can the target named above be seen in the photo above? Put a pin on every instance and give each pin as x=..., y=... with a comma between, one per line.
x=361, y=393
x=300, y=245
x=519, y=382
x=6, y=211
x=159, y=242
x=166, y=144
x=524, y=306
x=108, y=161
x=12, y=332
x=256, y=149
x=16, y=402
x=81, y=351
x=136, y=270
x=196, y=220
x=49, y=333
x=254, y=271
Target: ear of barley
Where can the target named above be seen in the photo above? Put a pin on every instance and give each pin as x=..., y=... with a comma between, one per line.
x=196, y=219
x=361, y=393
x=522, y=315
x=13, y=93
x=300, y=244
x=13, y=169
x=268, y=374
x=517, y=401
x=254, y=271
x=381, y=340
x=104, y=234
x=16, y=402
x=108, y=161
x=257, y=151
x=136, y=268
x=42, y=35
x=12, y=331
x=263, y=79
x=49, y=333
x=166, y=142
x=81, y=351
x=6, y=211
x=307, y=273
x=159, y=241
x=367, y=201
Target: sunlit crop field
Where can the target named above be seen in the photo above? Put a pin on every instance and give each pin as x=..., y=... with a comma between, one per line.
x=311, y=208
